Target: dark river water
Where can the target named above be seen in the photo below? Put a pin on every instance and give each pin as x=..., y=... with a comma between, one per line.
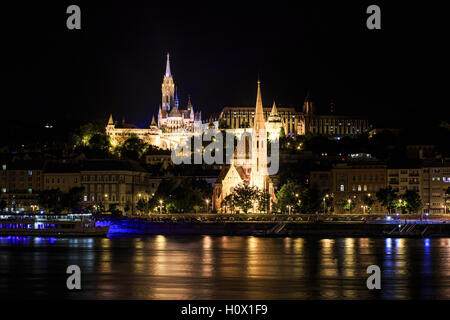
x=205, y=267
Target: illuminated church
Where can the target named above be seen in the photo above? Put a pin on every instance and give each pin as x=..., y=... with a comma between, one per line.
x=249, y=163
x=174, y=125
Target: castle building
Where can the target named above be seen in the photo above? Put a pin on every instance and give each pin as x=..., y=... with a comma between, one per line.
x=296, y=122
x=174, y=125
x=249, y=165
x=243, y=117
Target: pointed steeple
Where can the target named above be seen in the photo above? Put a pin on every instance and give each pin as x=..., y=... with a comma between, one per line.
x=274, y=116
x=189, y=103
x=308, y=106
x=274, y=111
x=110, y=121
x=153, y=121
x=258, y=176
x=168, y=74
x=259, y=115
x=177, y=102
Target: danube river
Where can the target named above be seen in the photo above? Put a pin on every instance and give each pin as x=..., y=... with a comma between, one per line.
x=225, y=267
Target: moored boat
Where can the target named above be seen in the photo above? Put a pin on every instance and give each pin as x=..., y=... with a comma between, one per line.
x=72, y=225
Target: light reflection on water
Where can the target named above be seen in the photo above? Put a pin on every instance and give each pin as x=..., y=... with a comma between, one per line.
x=207, y=267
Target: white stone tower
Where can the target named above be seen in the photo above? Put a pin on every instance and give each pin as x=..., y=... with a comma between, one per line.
x=259, y=174
x=168, y=88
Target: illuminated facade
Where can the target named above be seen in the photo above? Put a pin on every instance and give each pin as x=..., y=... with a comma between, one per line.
x=174, y=125
x=296, y=122
x=249, y=164
x=243, y=117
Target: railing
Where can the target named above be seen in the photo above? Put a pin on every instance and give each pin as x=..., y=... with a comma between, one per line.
x=300, y=218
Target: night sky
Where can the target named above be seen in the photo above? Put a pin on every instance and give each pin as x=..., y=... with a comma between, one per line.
x=116, y=62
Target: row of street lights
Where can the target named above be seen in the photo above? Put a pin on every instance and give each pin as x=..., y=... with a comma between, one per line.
x=161, y=205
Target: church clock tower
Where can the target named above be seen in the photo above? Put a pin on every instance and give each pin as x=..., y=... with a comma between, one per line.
x=168, y=88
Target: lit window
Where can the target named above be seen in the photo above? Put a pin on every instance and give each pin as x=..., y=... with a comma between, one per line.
x=4, y=167
x=4, y=190
x=341, y=187
x=30, y=173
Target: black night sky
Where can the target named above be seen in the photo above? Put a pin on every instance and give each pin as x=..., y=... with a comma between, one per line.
x=116, y=62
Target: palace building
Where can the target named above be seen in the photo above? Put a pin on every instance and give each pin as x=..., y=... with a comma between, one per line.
x=174, y=125
x=296, y=122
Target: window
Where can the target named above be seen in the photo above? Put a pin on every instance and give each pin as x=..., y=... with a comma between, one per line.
x=30, y=173
x=341, y=187
x=4, y=190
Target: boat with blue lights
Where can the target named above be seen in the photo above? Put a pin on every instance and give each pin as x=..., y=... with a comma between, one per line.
x=50, y=225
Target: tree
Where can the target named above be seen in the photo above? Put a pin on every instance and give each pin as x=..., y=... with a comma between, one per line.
x=100, y=142
x=133, y=148
x=85, y=133
x=127, y=206
x=72, y=199
x=368, y=202
x=51, y=200
x=413, y=203
x=387, y=197
x=182, y=195
x=327, y=202
x=289, y=195
x=263, y=198
x=310, y=200
x=245, y=195
x=230, y=202
x=349, y=205
x=142, y=205
x=114, y=210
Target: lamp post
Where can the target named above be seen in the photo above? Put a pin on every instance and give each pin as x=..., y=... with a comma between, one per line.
x=349, y=205
x=364, y=208
x=289, y=208
x=160, y=206
x=207, y=205
x=298, y=201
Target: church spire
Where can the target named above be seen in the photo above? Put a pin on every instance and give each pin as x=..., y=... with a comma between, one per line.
x=259, y=146
x=308, y=106
x=110, y=121
x=153, y=121
x=168, y=74
x=274, y=111
x=177, y=102
x=168, y=88
x=259, y=115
